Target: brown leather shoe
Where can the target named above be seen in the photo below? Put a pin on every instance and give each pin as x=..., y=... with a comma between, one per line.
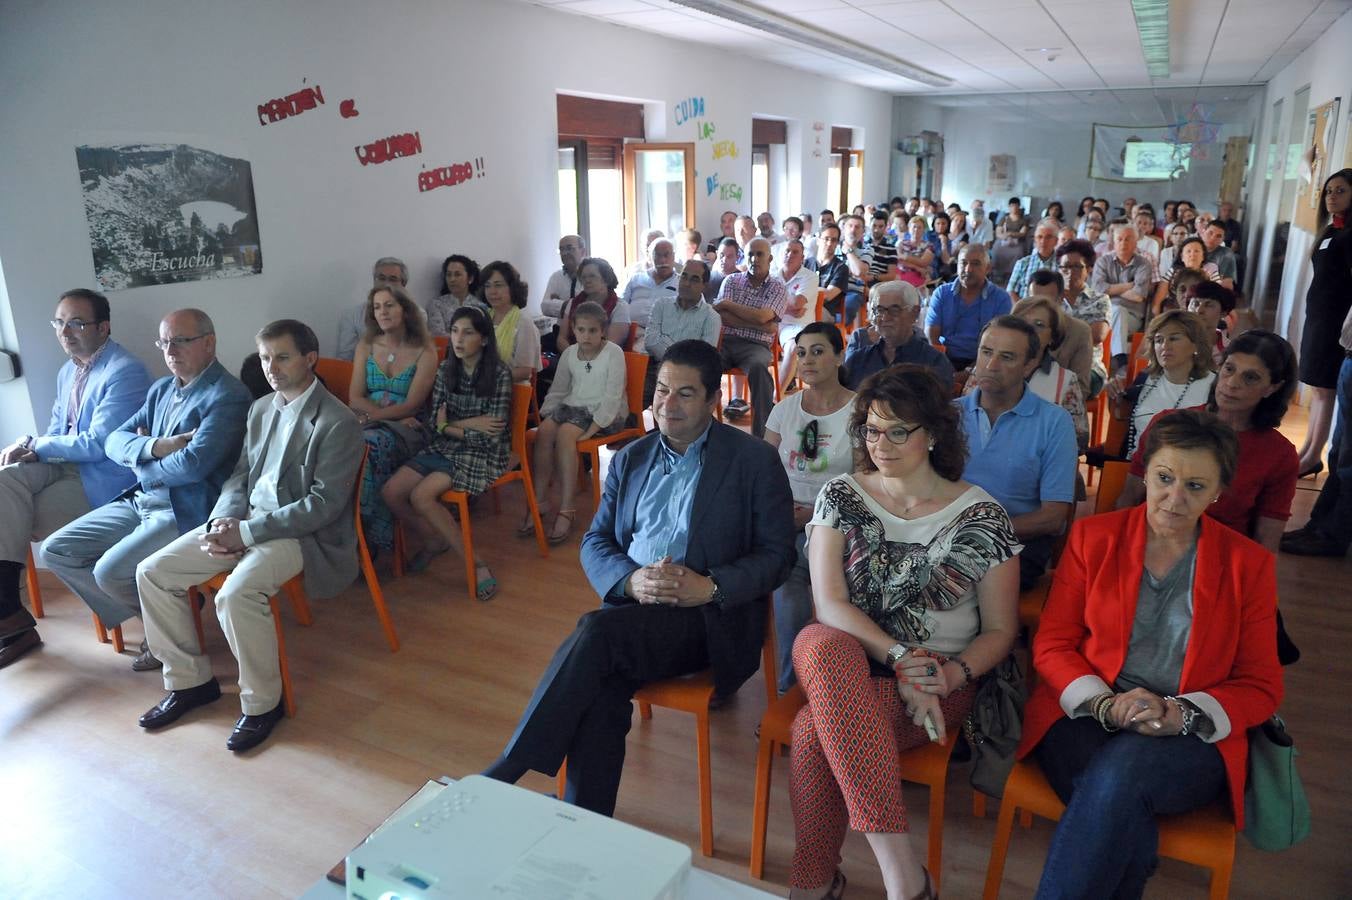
x=18, y=646
x=15, y=623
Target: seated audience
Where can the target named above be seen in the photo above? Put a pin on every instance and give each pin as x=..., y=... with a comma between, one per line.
x=891, y=660
x=285, y=511
x=688, y=242
x=1218, y=254
x=1074, y=261
x=682, y=577
x=882, y=264
x=1052, y=382
x=800, y=284
x=656, y=282
x=891, y=337
x=392, y=374
x=181, y=444
x=960, y=309
x=1020, y=447
x=833, y=272
x=251, y=374
x=744, y=230
x=794, y=229
x=468, y=448
x=1213, y=303
x=725, y=263
x=858, y=257
x=1073, y=348
x=1126, y=277
x=598, y=286
x=811, y=431
x=726, y=225
x=459, y=287
x=1155, y=654
x=765, y=228
x=1179, y=374
x=564, y=284
x=751, y=304
x=518, y=339
x=687, y=316
x=981, y=229
x=1146, y=242
x=1056, y=212
x=915, y=255
x=388, y=270
x=49, y=480
x=1177, y=234
x=586, y=400
x=1042, y=257
x=1191, y=256
x=1086, y=206
x=1013, y=225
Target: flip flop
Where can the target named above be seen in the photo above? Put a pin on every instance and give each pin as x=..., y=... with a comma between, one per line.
x=568, y=514
x=487, y=588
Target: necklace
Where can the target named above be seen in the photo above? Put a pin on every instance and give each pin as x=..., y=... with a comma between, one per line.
x=1149, y=386
x=588, y=367
x=389, y=357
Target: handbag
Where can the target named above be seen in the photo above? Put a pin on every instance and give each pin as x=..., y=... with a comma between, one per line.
x=408, y=441
x=995, y=724
x=1276, y=810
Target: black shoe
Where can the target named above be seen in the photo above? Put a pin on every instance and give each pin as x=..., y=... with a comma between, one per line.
x=1312, y=543
x=176, y=703
x=1311, y=470
x=145, y=660
x=16, y=623
x=250, y=731
x=14, y=647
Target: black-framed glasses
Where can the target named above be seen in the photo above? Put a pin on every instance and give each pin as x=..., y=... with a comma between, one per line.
x=897, y=435
x=179, y=342
x=808, y=447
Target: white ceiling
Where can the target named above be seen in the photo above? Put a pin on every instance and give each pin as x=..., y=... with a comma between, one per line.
x=991, y=46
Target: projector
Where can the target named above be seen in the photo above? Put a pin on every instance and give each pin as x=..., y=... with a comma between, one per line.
x=480, y=838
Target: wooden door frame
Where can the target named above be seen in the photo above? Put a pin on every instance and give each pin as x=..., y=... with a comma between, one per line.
x=631, y=151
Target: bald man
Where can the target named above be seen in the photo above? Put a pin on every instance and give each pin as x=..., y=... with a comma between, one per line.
x=182, y=444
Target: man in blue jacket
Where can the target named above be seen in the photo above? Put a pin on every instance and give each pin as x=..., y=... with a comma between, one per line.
x=182, y=444
x=47, y=481
x=693, y=531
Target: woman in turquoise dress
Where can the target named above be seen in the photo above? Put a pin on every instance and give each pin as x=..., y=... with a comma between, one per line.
x=392, y=375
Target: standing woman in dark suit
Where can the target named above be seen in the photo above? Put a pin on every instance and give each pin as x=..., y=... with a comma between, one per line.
x=1326, y=304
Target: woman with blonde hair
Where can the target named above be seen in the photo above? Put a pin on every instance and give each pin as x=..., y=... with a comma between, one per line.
x=1180, y=373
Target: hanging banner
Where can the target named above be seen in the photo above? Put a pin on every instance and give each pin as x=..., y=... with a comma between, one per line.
x=1138, y=153
x=166, y=213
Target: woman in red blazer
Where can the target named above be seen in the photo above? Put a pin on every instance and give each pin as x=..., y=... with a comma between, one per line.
x=1155, y=654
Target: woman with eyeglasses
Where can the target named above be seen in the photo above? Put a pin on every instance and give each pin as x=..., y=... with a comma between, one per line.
x=810, y=429
x=915, y=583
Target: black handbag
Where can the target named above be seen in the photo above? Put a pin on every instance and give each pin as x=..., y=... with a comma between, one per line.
x=995, y=725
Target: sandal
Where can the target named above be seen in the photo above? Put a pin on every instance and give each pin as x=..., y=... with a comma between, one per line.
x=928, y=892
x=527, y=526
x=487, y=587
x=556, y=537
x=837, y=887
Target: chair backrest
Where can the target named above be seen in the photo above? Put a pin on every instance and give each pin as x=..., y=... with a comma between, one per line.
x=443, y=343
x=1135, y=362
x=1111, y=484
x=633, y=335
x=821, y=306
x=1115, y=443
x=635, y=371
x=336, y=375
x=523, y=396
x=1108, y=350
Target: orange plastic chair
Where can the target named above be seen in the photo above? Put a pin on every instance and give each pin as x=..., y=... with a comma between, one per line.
x=34, y=591
x=521, y=397
x=295, y=591
x=336, y=375
x=692, y=694
x=1136, y=362
x=635, y=370
x=927, y=765
x=102, y=633
x=1097, y=409
x=1204, y=837
x=443, y=343
x=1110, y=486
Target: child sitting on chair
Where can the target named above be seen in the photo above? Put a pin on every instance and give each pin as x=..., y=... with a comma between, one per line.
x=586, y=400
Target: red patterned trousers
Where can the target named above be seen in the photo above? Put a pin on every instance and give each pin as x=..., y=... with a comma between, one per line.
x=846, y=741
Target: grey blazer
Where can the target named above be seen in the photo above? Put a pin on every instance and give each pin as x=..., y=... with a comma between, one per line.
x=315, y=491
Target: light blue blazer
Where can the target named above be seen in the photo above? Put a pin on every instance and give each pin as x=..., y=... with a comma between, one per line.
x=115, y=389
x=216, y=408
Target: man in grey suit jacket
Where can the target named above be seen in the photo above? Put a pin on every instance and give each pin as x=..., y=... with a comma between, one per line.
x=287, y=509
x=693, y=531
x=181, y=444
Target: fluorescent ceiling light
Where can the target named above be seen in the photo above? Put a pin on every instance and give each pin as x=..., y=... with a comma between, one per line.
x=779, y=25
x=1152, y=24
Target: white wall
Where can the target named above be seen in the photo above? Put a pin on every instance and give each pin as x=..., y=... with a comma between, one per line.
x=474, y=79
x=970, y=138
x=1326, y=68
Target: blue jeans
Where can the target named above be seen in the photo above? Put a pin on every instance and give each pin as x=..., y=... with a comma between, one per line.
x=96, y=555
x=1332, y=512
x=793, y=610
x=853, y=300
x=1113, y=786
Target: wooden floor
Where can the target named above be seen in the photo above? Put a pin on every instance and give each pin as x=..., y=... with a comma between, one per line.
x=96, y=807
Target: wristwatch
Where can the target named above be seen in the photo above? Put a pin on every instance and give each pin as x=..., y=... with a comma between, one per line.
x=895, y=654
x=717, y=596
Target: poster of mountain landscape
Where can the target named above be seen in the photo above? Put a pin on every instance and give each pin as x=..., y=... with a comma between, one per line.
x=166, y=213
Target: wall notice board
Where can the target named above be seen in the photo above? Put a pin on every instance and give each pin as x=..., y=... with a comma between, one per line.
x=1319, y=139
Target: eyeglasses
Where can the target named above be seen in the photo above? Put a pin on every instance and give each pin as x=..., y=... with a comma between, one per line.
x=897, y=435
x=808, y=447
x=179, y=342
x=882, y=311
x=382, y=278
x=73, y=324
x=1075, y=268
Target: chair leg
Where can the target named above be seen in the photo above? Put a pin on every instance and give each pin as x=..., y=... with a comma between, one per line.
x=34, y=591
x=706, y=798
x=99, y=631
x=295, y=592
x=760, y=808
x=645, y=710
x=528, y=483
x=935, y=857
x=978, y=804
x=118, y=645
x=288, y=696
x=1004, y=828
x=377, y=595
x=467, y=539
x=1221, y=872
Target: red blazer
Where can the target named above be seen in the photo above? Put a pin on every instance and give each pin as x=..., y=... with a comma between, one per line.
x=1232, y=648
